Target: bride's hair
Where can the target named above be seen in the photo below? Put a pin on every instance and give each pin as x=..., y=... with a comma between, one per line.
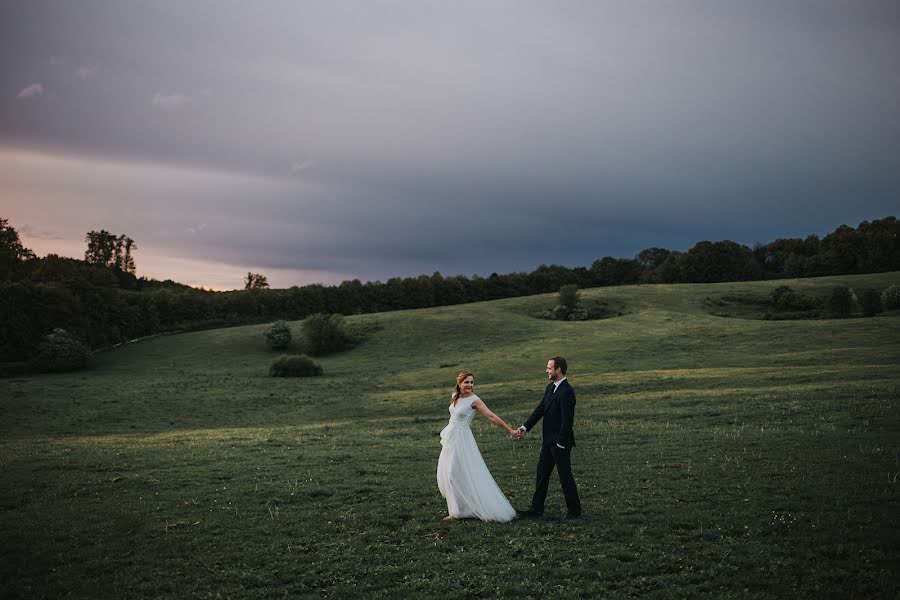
x=459, y=379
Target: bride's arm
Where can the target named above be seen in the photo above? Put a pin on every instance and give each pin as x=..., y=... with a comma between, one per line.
x=481, y=407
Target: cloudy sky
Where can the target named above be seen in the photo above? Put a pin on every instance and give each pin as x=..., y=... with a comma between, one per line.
x=332, y=140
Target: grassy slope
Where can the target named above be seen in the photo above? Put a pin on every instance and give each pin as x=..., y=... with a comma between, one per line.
x=716, y=456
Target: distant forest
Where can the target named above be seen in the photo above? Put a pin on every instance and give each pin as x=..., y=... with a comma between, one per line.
x=102, y=302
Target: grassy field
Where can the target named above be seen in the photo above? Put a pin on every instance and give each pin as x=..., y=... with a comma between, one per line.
x=716, y=457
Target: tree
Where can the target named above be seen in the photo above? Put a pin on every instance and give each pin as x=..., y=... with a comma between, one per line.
x=651, y=258
x=870, y=301
x=789, y=256
x=105, y=249
x=255, y=281
x=417, y=292
x=669, y=271
x=497, y=286
x=124, y=260
x=449, y=290
x=547, y=278
x=614, y=271
x=101, y=248
x=880, y=242
x=12, y=251
x=840, y=303
x=568, y=296
x=842, y=250
x=718, y=261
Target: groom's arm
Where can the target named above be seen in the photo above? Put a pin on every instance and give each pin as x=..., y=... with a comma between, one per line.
x=567, y=408
x=535, y=416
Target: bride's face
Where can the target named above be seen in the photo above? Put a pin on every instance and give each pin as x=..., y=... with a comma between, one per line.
x=467, y=386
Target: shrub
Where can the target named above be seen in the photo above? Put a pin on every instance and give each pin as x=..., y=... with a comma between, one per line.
x=784, y=298
x=870, y=301
x=278, y=336
x=890, y=297
x=325, y=333
x=294, y=365
x=583, y=311
x=560, y=311
x=579, y=313
x=569, y=307
x=840, y=304
x=568, y=295
x=59, y=351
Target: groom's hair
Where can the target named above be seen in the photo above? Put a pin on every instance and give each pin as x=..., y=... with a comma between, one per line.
x=560, y=363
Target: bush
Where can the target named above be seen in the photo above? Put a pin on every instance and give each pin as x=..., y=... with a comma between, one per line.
x=579, y=313
x=560, y=311
x=870, y=301
x=569, y=307
x=294, y=365
x=840, y=304
x=890, y=297
x=59, y=351
x=325, y=334
x=278, y=336
x=784, y=298
x=568, y=295
x=583, y=311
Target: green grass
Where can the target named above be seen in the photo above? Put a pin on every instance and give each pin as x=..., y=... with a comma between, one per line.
x=716, y=457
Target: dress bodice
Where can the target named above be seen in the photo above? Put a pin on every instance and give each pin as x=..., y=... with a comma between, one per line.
x=461, y=413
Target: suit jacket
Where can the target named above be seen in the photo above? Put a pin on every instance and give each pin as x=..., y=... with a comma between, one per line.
x=558, y=411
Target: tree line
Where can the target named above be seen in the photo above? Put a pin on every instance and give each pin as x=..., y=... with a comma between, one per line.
x=102, y=302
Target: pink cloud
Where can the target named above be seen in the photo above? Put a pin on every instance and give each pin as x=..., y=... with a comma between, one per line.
x=84, y=72
x=166, y=101
x=35, y=89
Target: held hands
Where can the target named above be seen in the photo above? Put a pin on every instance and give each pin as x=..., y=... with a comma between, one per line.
x=518, y=433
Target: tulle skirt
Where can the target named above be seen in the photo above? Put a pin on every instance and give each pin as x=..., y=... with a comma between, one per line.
x=464, y=479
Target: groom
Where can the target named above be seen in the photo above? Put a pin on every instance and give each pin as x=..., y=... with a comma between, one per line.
x=558, y=410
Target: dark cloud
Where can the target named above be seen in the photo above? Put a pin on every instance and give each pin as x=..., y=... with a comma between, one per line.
x=379, y=139
x=40, y=233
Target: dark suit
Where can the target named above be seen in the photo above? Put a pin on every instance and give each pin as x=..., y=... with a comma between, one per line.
x=558, y=411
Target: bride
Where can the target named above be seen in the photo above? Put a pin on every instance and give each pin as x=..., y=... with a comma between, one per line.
x=462, y=476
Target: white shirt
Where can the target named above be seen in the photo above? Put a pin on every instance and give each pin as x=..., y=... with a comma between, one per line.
x=556, y=384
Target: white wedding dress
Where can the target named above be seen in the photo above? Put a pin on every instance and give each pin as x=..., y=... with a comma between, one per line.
x=462, y=476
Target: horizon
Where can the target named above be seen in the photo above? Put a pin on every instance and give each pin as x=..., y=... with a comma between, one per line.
x=326, y=143
x=446, y=275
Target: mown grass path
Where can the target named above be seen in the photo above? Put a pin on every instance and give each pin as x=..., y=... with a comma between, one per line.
x=716, y=457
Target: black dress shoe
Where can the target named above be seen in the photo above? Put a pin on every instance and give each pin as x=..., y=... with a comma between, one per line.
x=572, y=516
x=530, y=512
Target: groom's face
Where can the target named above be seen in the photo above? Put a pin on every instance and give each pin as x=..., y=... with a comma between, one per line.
x=552, y=371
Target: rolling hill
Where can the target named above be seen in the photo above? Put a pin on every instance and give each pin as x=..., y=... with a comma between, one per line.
x=717, y=456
